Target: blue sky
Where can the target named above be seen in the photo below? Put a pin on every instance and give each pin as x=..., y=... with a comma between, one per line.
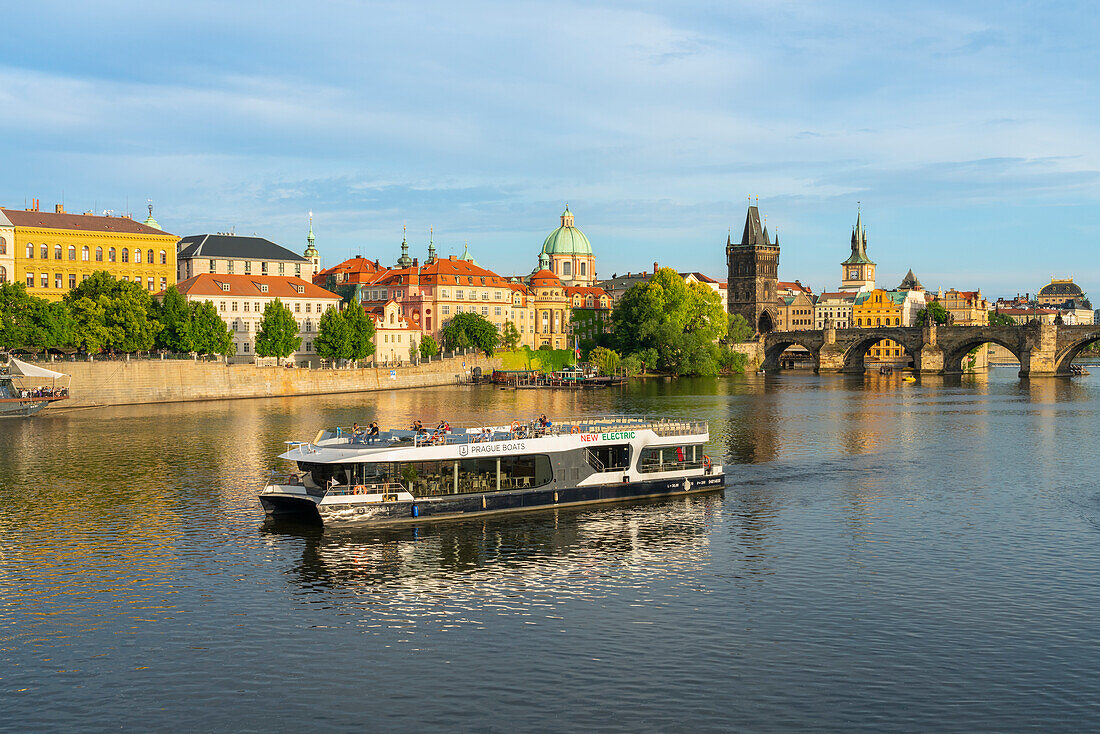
x=967, y=130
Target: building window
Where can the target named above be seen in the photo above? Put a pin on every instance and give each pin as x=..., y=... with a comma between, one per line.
x=221, y=307
x=57, y=252
x=282, y=268
x=308, y=305
x=485, y=310
x=445, y=309
x=229, y=266
x=72, y=252
x=44, y=251
x=84, y=253
x=30, y=280
x=152, y=284
x=58, y=281
x=3, y=274
x=149, y=257
x=318, y=308
x=255, y=307
x=126, y=255
x=297, y=270
x=297, y=308
x=582, y=268
x=567, y=268
x=248, y=267
x=233, y=307
x=3, y=246
x=496, y=311
x=460, y=294
x=45, y=280
x=111, y=255
x=99, y=254
x=213, y=266
x=163, y=257
x=30, y=252
x=137, y=255
x=309, y=346
x=263, y=268
x=72, y=281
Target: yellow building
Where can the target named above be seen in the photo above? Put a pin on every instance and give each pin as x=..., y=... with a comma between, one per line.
x=879, y=309
x=53, y=251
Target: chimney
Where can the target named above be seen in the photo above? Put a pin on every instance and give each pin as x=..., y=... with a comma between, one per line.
x=654, y=268
x=453, y=257
x=58, y=209
x=416, y=263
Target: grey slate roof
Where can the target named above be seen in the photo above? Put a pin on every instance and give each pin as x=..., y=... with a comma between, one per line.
x=1069, y=290
x=754, y=235
x=910, y=282
x=233, y=246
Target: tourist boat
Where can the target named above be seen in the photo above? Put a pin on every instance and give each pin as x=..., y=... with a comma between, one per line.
x=412, y=476
x=22, y=393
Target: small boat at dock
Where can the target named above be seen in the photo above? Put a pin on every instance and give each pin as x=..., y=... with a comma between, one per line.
x=23, y=391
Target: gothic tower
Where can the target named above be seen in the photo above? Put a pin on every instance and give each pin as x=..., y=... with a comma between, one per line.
x=753, y=274
x=857, y=273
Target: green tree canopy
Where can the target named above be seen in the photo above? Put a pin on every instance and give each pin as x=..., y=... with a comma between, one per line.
x=277, y=335
x=30, y=321
x=605, y=360
x=934, y=311
x=681, y=323
x=333, y=336
x=470, y=330
x=209, y=333
x=996, y=318
x=361, y=330
x=428, y=346
x=740, y=330
x=509, y=336
x=124, y=311
x=174, y=316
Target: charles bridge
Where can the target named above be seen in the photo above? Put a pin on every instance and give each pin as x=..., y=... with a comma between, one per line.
x=1043, y=349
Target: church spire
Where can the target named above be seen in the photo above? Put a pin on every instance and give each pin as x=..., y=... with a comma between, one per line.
x=431, y=244
x=311, y=252
x=404, y=261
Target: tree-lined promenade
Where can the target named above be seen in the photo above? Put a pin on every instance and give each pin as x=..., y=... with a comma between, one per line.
x=662, y=324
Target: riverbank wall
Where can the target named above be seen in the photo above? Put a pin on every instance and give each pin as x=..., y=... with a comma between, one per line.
x=173, y=381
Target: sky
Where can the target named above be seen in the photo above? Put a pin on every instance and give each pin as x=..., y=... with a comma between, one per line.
x=966, y=131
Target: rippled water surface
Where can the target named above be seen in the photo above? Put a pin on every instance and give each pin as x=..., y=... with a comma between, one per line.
x=887, y=556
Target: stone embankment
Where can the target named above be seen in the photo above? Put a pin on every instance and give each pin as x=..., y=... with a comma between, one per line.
x=170, y=381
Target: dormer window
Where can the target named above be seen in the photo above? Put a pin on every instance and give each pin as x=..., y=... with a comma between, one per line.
x=263, y=287
x=225, y=287
x=300, y=288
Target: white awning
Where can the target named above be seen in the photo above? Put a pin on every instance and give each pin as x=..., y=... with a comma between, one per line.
x=19, y=367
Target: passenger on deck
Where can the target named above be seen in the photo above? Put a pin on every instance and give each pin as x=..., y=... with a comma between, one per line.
x=356, y=433
x=372, y=434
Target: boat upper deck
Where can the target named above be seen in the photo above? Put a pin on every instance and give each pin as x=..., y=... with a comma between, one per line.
x=347, y=437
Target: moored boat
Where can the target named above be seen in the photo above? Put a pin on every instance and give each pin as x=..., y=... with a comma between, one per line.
x=346, y=477
x=22, y=393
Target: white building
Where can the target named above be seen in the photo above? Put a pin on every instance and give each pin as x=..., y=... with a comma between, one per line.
x=241, y=299
x=834, y=309
x=227, y=254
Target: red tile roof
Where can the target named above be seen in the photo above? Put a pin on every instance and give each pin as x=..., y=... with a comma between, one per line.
x=84, y=222
x=278, y=286
x=544, y=278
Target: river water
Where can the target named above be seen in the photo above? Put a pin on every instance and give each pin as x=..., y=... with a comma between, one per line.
x=887, y=556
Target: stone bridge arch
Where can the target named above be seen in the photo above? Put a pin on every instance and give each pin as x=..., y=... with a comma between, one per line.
x=955, y=350
x=859, y=341
x=778, y=342
x=1070, y=347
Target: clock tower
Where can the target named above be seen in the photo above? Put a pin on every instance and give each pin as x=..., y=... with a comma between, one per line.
x=857, y=273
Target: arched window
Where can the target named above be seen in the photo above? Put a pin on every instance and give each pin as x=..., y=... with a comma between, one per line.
x=44, y=251
x=3, y=246
x=72, y=252
x=57, y=252
x=897, y=321
x=84, y=253
x=878, y=321
x=582, y=268
x=588, y=301
x=137, y=255
x=111, y=255
x=30, y=251
x=126, y=255
x=163, y=257
x=860, y=322
x=150, y=258
x=99, y=254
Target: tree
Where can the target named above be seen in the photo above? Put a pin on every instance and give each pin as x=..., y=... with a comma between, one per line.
x=174, y=316
x=360, y=330
x=29, y=321
x=934, y=311
x=334, y=337
x=428, y=347
x=677, y=322
x=470, y=330
x=996, y=318
x=605, y=360
x=278, y=333
x=124, y=311
x=209, y=333
x=509, y=336
x=89, y=325
x=740, y=330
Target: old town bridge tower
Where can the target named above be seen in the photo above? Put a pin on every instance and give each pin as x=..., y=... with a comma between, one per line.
x=753, y=274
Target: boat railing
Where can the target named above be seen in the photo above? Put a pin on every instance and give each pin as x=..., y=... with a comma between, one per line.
x=517, y=430
x=390, y=491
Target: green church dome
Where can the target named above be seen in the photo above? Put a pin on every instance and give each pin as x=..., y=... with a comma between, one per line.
x=566, y=239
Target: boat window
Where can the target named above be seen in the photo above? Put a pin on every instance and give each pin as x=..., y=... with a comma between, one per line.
x=608, y=458
x=435, y=478
x=670, y=458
